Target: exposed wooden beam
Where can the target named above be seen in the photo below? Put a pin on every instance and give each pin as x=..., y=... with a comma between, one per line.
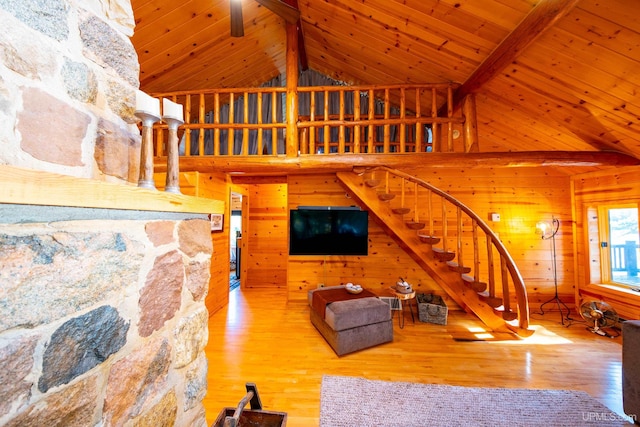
x=272, y=165
x=302, y=51
x=542, y=17
x=283, y=9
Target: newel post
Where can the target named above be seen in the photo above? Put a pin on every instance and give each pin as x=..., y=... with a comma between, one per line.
x=291, y=139
x=470, y=124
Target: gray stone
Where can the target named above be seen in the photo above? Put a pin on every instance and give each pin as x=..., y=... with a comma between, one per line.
x=190, y=337
x=52, y=130
x=81, y=344
x=161, y=295
x=49, y=276
x=81, y=83
x=16, y=362
x=105, y=46
x=196, y=383
x=50, y=17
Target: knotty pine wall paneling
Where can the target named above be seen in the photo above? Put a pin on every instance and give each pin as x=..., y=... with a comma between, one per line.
x=589, y=191
x=265, y=246
x=522, y=197
x=377, y=271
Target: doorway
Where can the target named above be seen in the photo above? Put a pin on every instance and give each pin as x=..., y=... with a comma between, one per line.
x=235, y=240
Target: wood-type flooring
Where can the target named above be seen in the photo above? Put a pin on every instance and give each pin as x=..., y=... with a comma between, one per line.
x=261, y=338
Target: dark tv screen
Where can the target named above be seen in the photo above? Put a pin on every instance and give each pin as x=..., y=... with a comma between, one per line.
x=326, y=231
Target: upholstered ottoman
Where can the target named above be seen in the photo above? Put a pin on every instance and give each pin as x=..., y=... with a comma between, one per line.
x=353, y=325
x=631, y=367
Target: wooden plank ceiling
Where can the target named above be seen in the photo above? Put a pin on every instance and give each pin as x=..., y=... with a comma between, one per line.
x=574, y=86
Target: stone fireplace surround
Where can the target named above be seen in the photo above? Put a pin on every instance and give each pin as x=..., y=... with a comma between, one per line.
x=102, y=316
x=102, y=286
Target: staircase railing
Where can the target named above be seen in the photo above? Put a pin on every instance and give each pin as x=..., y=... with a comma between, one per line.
x=458, y=237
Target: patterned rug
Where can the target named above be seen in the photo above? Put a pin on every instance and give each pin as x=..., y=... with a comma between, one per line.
x=351, y=401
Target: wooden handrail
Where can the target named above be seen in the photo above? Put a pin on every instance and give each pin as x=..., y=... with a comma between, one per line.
x=401, y=120
x=508, y=268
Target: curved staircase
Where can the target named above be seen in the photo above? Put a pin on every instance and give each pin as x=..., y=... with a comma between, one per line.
x=449, y=241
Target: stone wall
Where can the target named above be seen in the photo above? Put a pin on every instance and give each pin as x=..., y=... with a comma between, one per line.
x=68, y=75
x=102, y=315
x=104, y=326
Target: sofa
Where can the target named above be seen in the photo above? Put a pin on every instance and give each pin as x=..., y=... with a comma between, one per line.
x=352, y=325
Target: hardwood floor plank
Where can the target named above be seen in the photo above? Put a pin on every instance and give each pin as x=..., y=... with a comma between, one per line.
x=260, y=337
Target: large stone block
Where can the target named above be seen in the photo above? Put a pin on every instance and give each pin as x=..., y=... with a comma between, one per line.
x=163, y=414
x=106, y=47
x=80, y=81
x=194, y=237
x=160, y=298
x=190, y=337
x=198, y=275
x=50, y=17
x=16, y=363
x=47, y=275
x=117, y=151
x=80, y=345
x=52, y=130
x=137, y=380
x=73, y=406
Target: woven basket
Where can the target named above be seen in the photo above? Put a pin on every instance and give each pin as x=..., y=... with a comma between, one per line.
x=432, y=309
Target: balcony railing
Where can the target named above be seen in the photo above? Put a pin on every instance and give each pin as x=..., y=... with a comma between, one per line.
x=380, y=119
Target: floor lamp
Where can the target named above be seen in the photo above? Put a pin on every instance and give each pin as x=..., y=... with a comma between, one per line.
x=548, y=232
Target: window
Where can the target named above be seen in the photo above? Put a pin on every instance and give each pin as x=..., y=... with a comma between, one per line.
x=618, y=241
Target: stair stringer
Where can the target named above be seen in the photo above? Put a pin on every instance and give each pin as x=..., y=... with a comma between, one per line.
x=451, y=282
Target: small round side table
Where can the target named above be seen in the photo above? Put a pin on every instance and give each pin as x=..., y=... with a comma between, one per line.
x=404, y=297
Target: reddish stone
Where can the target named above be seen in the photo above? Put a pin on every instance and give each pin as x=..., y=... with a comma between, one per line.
x=75, y=405
x=114, y=150
x=52, y=130
x=160, y=297
x=198, y=275
x=160, y=232
x=194, y=237
x=16, y=362
x=136, y=380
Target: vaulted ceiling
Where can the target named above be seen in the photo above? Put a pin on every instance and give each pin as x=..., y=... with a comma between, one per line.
x=548, y=74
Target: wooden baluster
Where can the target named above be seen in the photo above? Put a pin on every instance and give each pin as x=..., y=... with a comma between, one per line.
x=371, y=115
x=507, y=314
x=444, y=224
x=230, y=133
x=415, y=203
x=476, y=253
x=274, y=120
x=450, y=123
x=216, y=120
x=326, y=118
x=401, y=126
x=459, y=236
x=312, y=129
x=245, y=130
x=259, y=149
x=435, y=127
x=356, y=118
x=387, y=130
x=201, y=120
x=491, y=268
x=341, y=127
x=419, y=129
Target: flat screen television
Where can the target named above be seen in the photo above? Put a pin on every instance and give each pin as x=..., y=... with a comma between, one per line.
x=328, y=231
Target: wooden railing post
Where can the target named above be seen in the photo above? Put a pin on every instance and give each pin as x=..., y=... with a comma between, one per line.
x=292, y=91
x=470, y=124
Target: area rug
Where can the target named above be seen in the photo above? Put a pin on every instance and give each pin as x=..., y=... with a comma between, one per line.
x=350, y=401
